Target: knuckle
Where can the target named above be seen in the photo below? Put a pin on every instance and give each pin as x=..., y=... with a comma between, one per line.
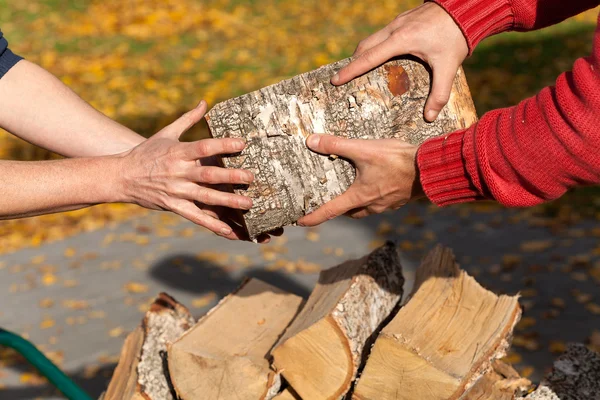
x=206, y=175
x=202, y=147
x=441, y=98
x=329, y=214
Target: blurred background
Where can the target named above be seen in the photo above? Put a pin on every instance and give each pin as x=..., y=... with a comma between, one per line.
x=145, y=62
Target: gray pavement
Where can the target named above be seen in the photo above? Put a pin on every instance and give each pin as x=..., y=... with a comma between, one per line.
x=77, y=299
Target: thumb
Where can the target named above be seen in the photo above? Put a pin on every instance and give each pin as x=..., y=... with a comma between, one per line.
x=184, y=123
x=334, y=145
x=443, y=77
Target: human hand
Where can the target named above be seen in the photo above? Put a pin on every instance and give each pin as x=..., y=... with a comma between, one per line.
x=386, y=177
x=163, y=173
x=427, y=32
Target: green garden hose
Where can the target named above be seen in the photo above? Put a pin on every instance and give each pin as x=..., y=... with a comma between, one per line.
x=58, y=378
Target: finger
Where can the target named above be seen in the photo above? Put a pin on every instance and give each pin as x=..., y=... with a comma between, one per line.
x=185, y=122
x=443, y=77
x=358, y=213
x=212, y=197
x=211, y=147
x=371, y=58
x=217, y=175
x=191, y=212
x=372, y=40
x=334, y=208
x=330, y=144
x=276, y=232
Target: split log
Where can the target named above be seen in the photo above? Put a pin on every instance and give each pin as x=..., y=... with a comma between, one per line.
x=224, y=356
x=501, y=382
x=575, y=376
x=320, y=353
x=290, y=180
x=124, y=384
x=141, y=372
x=442, y=340
x=287, y=394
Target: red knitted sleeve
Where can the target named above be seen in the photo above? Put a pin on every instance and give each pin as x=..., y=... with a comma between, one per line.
x=479, y=19
x=527, y=154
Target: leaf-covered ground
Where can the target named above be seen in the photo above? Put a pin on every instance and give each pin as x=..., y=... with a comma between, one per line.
x=144, y=62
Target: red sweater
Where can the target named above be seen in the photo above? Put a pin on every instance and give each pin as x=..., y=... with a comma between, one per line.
x=532, y=152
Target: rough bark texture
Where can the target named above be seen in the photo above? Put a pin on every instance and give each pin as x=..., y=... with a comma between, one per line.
x=443, y=340
x=124, y=383
x=225, y=355
x=165, y=322
x=291, y=181
x=321, y=351
x=575, y=376
x=141, y=373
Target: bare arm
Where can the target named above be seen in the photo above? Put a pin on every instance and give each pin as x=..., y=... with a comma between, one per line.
x=39, y=108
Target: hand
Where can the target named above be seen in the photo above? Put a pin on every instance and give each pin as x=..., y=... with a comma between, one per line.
x=163, y=173
x=427, y=32
x=386, y=177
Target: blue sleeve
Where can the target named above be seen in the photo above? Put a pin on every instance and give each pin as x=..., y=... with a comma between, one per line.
x=7, y=58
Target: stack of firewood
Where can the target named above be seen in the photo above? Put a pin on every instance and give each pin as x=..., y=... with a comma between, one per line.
x=353, y=337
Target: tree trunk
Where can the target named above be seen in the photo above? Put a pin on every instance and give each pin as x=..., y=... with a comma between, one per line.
x=290, y=180
x=321, y=351
x=224, y=355
x=442, y=340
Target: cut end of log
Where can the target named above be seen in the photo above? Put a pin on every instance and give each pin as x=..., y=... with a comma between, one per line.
x=442, y=340
x=292, y=181
x=346, y=308
x=225, y=354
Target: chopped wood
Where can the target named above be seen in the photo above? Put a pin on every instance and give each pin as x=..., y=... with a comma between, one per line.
x=141, y=372
x=321, y=351
x=501, y=382
x=443, y=340
x=290, y=180
x=224, y=356
x=287, y=394
x=124, y=384
x=575, y=376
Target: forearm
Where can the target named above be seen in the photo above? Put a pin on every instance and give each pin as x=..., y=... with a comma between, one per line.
x=42, y=187
x=523, y=155
x=479, y=19
x=40, y=109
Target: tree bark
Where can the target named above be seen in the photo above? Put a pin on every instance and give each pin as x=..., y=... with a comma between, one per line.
x=501, y=382
x=320, y=353
x=443, y=340
x=575, y=376
x=225, y=355
x=141, y=373
x=290, y=180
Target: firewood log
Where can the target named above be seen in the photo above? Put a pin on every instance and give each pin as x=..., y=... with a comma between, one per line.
x=224, y=356
x=443, y=340
x=290, y=180
x=321, y=351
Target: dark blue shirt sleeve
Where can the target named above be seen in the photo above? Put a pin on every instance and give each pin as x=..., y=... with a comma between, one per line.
x=7, y=58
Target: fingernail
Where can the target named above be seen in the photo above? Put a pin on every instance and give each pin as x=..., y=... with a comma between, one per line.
x=226, y=231
x=248, y=177
x=313, y=141
x=202, y=102
x=335, y=79
x=430, y=115
x=246, y=204
x=239, y=144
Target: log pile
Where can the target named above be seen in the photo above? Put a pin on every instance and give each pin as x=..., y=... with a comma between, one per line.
x=353, y=338
x=290, y=180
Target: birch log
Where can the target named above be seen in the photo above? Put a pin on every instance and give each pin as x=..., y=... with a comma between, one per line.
x=290, y=180
x=442, y=341
x=321, y=351
x=225, y=355
x=141, y=373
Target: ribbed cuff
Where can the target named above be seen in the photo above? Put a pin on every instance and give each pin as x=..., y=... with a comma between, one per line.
x=443, y=171
x=479, y=19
